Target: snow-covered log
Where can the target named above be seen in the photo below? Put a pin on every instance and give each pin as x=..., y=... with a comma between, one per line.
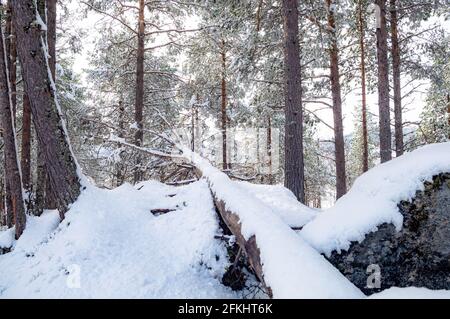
x=249, y=245
x=286, y=265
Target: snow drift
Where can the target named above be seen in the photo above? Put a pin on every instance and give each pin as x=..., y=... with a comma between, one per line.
x=111, y=246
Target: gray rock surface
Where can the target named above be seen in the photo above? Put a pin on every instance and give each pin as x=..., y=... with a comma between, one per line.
x=418, y=255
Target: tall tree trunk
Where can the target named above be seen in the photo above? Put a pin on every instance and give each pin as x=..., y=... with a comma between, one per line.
x=193, y=107
x=120, y=174
x=139, y=103
x=44, y=196
x=395, y=52
x=50, y=5
x=50, y=129
x=269, y=149
x=198, y=142
x=2, y=201
x=25, y=162
x=11, y=58
x=362, y=51
x=12, y=168
x=341, y=187
x=41, y=180
x=51, y=35
x=383, y=83
x=223, y=108
x=293, y=144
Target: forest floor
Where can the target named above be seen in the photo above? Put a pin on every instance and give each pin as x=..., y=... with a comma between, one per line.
x=111, y=244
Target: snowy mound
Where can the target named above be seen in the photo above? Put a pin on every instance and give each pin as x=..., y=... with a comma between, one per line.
x=283, y=202
x=373, y=199
x=110, y=246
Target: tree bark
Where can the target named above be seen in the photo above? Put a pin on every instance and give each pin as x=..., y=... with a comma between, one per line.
x=50, y=129
x=383, y=83
x=2, y=202
x=223, y=107
x=249, y=246
x=139, y=102
x=25, y=162
x=12, y=169
x=51, y=35
x=50, y=5
x=269, y=150
x=293, y=145
x=341, y=187
x=395, y=52
x=361, y=25
x=41, y=181
x=120, y=173
x=11, y=58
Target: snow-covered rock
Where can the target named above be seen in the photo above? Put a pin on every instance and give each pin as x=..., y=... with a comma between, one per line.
x=417, y=255
x=373, y=199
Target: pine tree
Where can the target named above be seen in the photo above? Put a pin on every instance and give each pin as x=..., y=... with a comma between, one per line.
x=15, y=207
x=50, y=128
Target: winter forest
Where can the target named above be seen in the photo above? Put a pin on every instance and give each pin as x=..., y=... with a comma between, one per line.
x=225, y=149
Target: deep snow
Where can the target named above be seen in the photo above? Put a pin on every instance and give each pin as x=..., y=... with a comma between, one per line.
x=121, y=250
x=111, y=246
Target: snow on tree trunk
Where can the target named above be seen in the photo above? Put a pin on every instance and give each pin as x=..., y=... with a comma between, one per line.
x=294, y=167
x=12, y=168
x=50, y=15
x=50, y=127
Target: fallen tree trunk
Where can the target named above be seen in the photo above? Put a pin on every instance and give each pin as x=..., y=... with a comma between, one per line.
x=249, y=246
x=284, y=263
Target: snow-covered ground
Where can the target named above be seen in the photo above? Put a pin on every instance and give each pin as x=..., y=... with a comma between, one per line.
x=411, y=293
x=111, y=246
